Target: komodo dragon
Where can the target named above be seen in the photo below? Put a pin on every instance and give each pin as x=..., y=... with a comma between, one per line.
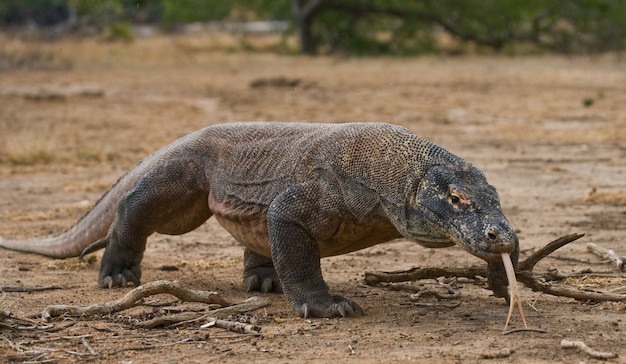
x=292, y=193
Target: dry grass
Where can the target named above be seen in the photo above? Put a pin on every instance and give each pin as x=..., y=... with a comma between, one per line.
x=27, y=147
x=563, y=132
x=17, y=55
x=159, y=88
x=609, y=198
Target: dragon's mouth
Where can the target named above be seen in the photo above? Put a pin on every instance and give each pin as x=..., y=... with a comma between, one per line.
x=489, y=251
x=492, y=255
x=489, y=257
x=434, y=242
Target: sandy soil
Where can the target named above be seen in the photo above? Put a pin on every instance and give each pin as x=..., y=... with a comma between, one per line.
x=549, y=133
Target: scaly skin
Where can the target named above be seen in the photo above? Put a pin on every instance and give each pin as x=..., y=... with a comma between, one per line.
x=292, y=194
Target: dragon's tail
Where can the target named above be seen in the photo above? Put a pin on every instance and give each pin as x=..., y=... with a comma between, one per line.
x=91, y=227
x=95, y=224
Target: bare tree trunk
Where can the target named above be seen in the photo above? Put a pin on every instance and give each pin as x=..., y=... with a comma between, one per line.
x=303, y=15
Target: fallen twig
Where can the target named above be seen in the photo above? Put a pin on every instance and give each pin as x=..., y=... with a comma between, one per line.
x=87, y=346
x=524, y=274
x=606, y=254
x=587, y=350
x=525, y=329
x=250, y=304
x=10, y=321
x=414, y=274
x=530, y=262
x=577, y=260
x=28, y=289
x=170, y=320
x=537, y=285
x=438, y=305
x=419, y=292
x=373, y=278
x=452, y=293
x=554, y=274
x=134, y=298
x=233, y=326
x=351, y=349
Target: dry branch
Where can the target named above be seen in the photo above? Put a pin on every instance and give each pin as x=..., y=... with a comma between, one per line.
x=239, y=327
x=28, y=289
x=532, y=260
x=587, y=350
x=170, y=320
x=133, y=298
x=414, y=274
x=10, y=321
x=250, y=304
x=136, y=296
x=607, y=254
x=524, y=274
x=536, y=284
x=525, y=329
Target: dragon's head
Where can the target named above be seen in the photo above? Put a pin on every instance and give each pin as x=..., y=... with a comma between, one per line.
x=454, y=204
x=458, y=203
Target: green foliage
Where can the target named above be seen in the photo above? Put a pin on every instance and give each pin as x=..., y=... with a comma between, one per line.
x=98, y=12
x=406, y=27
x=118, y=30
x=366, y=26
x=379, y=31
x=186, y=11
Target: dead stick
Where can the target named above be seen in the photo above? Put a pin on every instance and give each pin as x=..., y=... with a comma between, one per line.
x=587, y=350
x=524, y=275
x=169, y=320
x=133, y=298
x=250, y=304
x=525, y=329
x=28, y=289
x=537, y=285
x=373, y=278
x=240, y=327
x=87, y=346
x=530, y=262
x=607, y=254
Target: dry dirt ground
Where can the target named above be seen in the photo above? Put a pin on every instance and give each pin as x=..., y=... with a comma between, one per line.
x=549, y=132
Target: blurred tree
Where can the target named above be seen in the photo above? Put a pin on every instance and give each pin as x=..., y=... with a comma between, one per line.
x=98, y=13
x=184, y=11
x=399, y=26
x=36, y=12
x=187, y=11
x=368, y=26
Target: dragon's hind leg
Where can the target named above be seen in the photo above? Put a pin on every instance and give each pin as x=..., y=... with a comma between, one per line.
x=169, y=199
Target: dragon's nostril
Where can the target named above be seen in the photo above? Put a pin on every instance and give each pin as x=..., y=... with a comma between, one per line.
x=491, y=234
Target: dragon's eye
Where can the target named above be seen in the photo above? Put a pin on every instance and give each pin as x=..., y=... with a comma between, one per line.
x=455, y=199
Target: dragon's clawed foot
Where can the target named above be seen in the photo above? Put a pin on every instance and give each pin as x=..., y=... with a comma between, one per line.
x=262, y=279
x=329, y=306
x=120, y=279
x=119, y=268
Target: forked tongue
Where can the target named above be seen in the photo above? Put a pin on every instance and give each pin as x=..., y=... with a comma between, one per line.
x=513, y=291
